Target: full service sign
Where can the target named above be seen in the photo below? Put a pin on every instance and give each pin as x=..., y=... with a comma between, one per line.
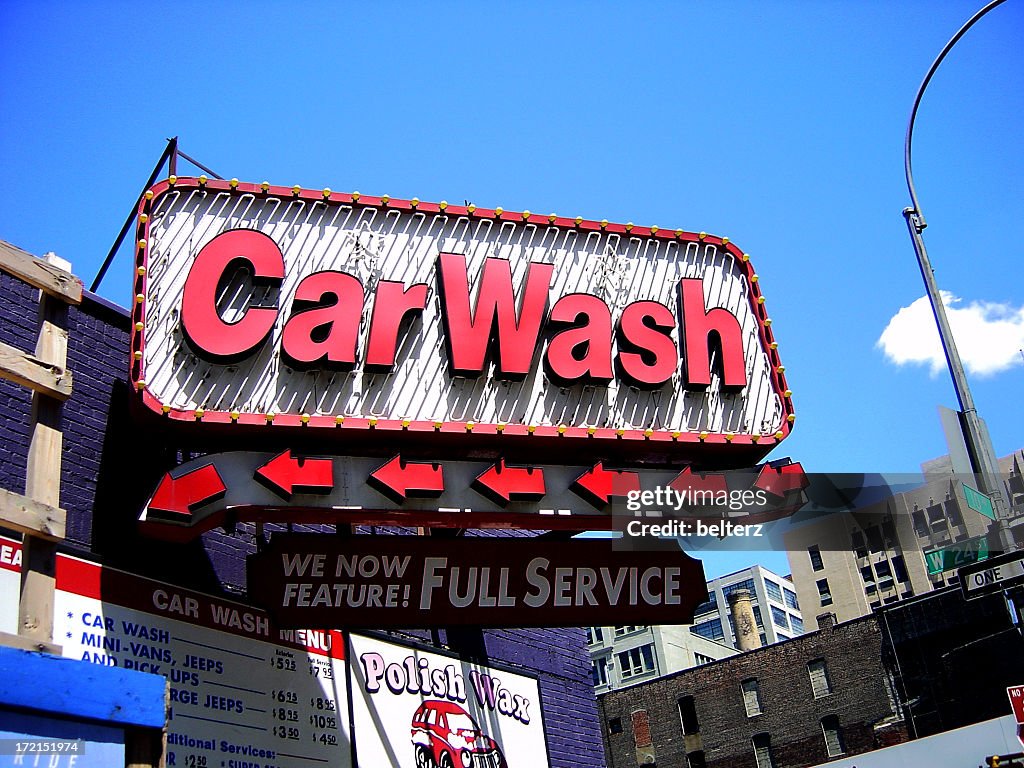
x=260, y=305
x=411, y=581
x=240, y=694
x=416, y=708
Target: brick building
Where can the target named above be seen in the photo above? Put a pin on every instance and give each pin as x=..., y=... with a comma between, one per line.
x=797, y=703
x=110, y=468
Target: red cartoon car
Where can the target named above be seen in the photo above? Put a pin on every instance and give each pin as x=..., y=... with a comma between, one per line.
x=445, y=736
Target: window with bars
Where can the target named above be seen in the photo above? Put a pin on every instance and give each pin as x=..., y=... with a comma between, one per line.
x=594, y=635
x=791, y=601
x=747, y=584
x=824, y=593
x=709, y=629
x=635, y=661
x=815, y=554
x=797, y=623
x=599, y=672
x=700, y=659
x=625, y=630
x=779, y=618
x=833, y=735
x=763, y=750
x=821, y=685
x=773, y=590
x=751, y=691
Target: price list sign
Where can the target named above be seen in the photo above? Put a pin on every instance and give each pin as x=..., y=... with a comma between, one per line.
x=241, y=694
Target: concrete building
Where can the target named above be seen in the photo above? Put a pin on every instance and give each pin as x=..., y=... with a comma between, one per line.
x=907, y=544
x=774, y=600
x=626, y=655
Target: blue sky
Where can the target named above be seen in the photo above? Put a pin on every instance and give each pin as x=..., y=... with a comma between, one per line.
x=779, y=125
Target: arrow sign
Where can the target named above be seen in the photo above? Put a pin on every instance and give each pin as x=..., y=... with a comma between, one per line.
x=598, y=485
x=176, y=497
x=400, y=480
x=780, y=481
x=688, y=481
x=285, y=473
x=504, y=484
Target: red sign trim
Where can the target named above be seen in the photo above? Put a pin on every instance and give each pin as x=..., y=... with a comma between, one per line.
x=760, y=444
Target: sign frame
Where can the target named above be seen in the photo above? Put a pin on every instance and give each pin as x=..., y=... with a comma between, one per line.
x=1008, y=558
x=390, y=428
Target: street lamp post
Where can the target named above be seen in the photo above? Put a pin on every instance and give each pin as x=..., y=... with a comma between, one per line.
x=976, y=438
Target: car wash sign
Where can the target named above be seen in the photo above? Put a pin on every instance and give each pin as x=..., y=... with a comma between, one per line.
x=261, y=306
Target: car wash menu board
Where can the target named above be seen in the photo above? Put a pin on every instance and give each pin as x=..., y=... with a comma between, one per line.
x=10, y=584
x=414, y=708
x=240, y=694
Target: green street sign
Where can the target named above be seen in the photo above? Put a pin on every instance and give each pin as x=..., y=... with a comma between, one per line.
x=951, y=558
x=979, y=502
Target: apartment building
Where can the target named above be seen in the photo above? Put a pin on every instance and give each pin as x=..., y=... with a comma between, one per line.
x=907, y=544
x=626, y=655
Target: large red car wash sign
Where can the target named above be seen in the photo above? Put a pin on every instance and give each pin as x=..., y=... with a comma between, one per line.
x=272, y=307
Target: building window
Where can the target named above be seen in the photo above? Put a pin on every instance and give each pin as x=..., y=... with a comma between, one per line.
x=779, y=618
x=709, y=629
x=636, y=661
x=937, y=519
x=797, y=623
x=815, y=555
x=899, y=568
x=791, y=601
x=821, y=685
x=695, y=759
x=699, y=659
x=615, y=725
x=710, y=605
x=920, y=526
x=763, y=750
x=594, y=635
x=599, y=672
x=773, y=590
x=620, y=631
x=823, y=592
x=688, y=716
x=751, y=696
x=867, y=573
x=757, y=616
x=747, y=584
x=833, y=735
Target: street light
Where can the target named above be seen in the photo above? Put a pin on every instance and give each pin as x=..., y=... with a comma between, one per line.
x=979, y=444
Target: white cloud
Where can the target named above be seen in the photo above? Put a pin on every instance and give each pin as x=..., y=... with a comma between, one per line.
x=989, y=336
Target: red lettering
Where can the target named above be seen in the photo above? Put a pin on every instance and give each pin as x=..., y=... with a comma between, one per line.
x=703, y=329
x=493, y=330
x=207, y=332
x=647, y=354
x=393, y=306
x=580, y=352
x=323, y=329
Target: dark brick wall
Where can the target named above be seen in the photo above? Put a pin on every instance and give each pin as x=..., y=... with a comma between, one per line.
x=790, y=713
x=111, y=465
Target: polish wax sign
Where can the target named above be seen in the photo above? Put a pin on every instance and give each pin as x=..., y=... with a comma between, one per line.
x=290, y=487
x=414, y=707
x=418, y=581
x=261, y=307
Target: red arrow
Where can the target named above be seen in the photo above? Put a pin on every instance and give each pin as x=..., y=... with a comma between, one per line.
x=176, y=497
x=285, y=473
x=779, y=481
x=688, y=481
x=597, y=485
x=505, y=484
x=400, y=480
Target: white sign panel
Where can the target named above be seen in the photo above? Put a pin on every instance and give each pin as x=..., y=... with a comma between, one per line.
x=260, y=305
x=10, y=584
x=239, y=696
x=413, y=708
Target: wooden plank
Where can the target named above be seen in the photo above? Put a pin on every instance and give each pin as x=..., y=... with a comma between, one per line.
x=17, y=641
x=49, y=278
x=20, y=513
x=38, y=375
x=79, y=689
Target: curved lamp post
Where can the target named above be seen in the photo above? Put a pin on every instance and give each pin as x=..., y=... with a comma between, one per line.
x=976, y=438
